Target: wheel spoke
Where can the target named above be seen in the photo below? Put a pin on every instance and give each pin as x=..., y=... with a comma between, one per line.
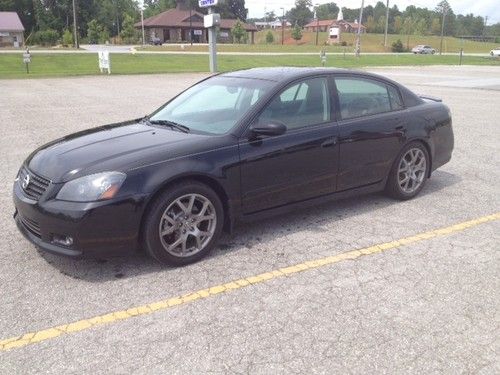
x=191, y=203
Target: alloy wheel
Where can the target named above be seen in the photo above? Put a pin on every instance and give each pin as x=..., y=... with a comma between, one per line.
x=411, y=170
x=187, y=225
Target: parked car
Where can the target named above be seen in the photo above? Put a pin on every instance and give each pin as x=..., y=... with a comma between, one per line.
x=423, y=49
x=495, y=52
x=232, y=148
x=155, y=41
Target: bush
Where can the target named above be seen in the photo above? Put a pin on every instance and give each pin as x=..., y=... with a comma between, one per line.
x=397, y=46
x=343, y=43
x=93, y=31
x=67, y=39
x=269, y=37
x=103, y=36
x=297, y=33
x=47, y=37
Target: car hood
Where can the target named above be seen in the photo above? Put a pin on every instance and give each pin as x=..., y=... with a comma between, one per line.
x=117, y=147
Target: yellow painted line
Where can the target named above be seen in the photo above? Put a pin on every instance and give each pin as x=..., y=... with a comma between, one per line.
x=112, y=317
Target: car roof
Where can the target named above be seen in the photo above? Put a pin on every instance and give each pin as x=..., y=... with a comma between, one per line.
x=285, y=74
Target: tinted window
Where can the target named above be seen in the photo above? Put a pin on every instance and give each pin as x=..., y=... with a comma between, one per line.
x=362, y=97
x=396, y=102
x=302, y=104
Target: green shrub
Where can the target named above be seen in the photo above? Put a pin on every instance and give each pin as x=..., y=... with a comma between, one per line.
x=343, y=43
x=47, y=37
x=269, y=37
x=103, y=35
x=67, y=39
x=397, y=46
x=297, y=33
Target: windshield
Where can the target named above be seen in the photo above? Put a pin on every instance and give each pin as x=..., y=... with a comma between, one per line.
x=213, y=106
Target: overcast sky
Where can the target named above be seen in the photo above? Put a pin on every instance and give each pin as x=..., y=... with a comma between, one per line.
x=490, y=8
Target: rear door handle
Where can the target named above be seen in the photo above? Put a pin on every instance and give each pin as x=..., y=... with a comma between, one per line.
x=329, y=142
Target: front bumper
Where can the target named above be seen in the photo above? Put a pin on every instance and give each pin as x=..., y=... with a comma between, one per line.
x=95, y=228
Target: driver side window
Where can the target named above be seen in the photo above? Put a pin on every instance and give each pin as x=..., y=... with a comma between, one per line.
x=302, y=104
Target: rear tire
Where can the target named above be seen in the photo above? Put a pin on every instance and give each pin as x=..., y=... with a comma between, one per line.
x=409, y=172
x=184, y=224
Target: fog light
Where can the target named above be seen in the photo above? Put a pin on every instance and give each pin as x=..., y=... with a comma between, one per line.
x=62, y=240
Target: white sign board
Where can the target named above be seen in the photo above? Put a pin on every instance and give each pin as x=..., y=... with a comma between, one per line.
x=26, y=57
x=207, y=3
x=211, y=20
x=198, y=32
x=104, y=61
x=224, y=34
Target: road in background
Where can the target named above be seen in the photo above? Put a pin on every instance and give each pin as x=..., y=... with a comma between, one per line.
x=430, y=306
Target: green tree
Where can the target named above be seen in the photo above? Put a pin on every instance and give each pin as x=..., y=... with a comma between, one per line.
x=238, y=32
x=269, y=37
x=93, y=31
x=128, y=33
x=297, y=33
x=397, y=46
x=300, y=14
x=436, y=26
x=327, y=11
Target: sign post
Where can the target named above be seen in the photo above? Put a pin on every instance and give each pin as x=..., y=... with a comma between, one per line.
x=27, y=60
x=104, y=61
x=211, y=21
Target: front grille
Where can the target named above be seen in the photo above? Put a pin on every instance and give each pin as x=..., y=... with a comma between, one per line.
x=32, y=185
x=31, y=225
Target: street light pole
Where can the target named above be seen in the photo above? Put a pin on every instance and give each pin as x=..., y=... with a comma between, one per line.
x=142, y=26
x=283, y=26
x=317, y=21
x=442, y=31
x=386, y=23
x=358, y=35
x=75, y=28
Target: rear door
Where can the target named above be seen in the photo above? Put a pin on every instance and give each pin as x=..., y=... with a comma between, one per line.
x=370, y=130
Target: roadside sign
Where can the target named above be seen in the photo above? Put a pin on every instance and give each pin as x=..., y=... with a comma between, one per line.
x=207, y=3
x=104, y=61
x=197, y=32
x=27, y=60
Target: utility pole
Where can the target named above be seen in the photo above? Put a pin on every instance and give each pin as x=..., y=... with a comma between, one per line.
x=190, y=23
x=386, y=23
x=75, y=27
x=442, y=30
x=283, y=27
x=212, y=46
x=358, y=35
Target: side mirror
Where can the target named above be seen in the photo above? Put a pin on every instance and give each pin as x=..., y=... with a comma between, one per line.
x=269, y=129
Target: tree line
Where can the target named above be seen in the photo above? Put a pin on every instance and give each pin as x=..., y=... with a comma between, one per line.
x=51, y=21
x=412, y=20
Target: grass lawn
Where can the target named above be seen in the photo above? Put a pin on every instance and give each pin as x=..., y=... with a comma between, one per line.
x=48, y=65
x=369, y=43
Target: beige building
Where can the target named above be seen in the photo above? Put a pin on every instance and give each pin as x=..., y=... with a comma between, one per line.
x=11, y=30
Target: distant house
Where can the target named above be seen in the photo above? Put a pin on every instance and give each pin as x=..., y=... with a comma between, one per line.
x=324, y=25
x=11, y=30
x=271, y=25
x=174, y=26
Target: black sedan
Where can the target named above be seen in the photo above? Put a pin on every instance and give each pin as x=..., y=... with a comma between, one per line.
x=232, y=148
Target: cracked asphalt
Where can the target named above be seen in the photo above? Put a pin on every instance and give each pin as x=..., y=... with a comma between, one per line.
x=426, y=307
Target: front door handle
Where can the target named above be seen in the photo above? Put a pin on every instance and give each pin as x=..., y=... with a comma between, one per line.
x=329, y=142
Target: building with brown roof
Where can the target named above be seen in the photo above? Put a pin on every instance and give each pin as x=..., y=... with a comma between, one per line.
x=175, y=25
x=11, y=30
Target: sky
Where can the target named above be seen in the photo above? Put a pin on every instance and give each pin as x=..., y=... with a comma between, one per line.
x=490, y=8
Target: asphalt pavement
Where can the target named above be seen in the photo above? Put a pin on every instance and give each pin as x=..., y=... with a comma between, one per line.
x=364, y=285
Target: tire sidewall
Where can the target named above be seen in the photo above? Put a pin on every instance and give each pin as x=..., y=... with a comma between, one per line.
x=151, y=236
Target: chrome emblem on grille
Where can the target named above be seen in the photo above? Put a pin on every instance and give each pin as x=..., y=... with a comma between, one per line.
x=26, y=181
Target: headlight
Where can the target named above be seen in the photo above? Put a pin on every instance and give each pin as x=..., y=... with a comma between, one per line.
x=93, y=187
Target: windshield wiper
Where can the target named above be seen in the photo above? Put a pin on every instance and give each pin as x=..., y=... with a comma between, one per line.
x=173, y=125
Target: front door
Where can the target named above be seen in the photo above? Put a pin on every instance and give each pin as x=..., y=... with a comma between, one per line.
x=298, y=165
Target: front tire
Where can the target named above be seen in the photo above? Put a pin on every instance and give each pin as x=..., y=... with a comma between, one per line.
x=183, y=224
x=409, y=172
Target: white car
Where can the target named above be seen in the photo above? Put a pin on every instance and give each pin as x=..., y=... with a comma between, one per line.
x=421, y=48
x=495, y=52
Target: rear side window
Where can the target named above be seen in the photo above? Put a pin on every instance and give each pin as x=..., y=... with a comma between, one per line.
x=360, y=97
